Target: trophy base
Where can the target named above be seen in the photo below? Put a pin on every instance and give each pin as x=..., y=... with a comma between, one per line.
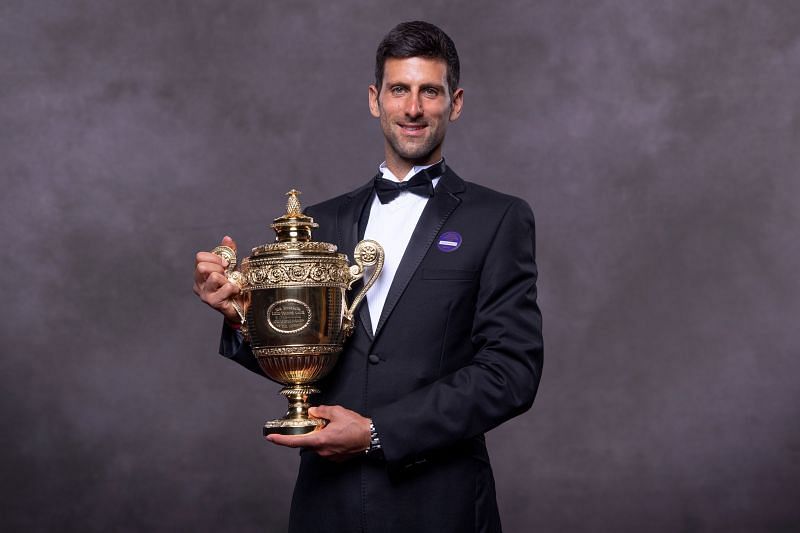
x=296, y=421
x=286, y=426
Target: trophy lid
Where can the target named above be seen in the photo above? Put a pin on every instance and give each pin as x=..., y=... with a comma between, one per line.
x=293, y=233
x=294, y=226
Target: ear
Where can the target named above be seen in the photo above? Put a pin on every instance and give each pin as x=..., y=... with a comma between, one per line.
x=374, y=107
x=456, y=104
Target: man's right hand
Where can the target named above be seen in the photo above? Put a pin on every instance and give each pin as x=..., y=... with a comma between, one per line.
x=211, y=285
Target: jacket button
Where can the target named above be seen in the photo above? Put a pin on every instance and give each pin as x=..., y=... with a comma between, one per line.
x=374, y=359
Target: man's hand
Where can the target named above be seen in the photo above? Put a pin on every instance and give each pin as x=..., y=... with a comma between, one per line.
x=346, y=435
x=211, y=285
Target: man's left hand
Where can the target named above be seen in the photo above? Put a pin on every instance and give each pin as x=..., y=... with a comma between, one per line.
x=346, y=434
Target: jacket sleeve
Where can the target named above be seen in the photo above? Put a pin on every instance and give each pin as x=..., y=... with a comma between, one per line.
x=502, y=378
x=232, y=346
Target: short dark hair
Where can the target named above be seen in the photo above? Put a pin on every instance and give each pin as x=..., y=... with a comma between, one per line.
x=418, y=39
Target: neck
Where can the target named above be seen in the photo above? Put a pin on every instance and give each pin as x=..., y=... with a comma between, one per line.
x=400, y=166
x=399, y=171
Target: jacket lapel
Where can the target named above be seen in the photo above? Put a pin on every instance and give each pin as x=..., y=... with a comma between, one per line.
x=433, y=217
x=347, y=224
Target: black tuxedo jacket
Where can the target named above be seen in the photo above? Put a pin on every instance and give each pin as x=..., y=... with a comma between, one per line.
x=457, y=351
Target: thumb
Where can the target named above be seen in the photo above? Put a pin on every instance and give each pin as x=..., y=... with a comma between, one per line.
x=227, y=241
x=322, y=411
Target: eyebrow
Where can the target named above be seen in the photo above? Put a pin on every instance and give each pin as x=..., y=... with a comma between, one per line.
x=438, y=86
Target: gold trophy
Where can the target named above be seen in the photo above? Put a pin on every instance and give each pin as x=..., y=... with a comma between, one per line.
x=293, y=310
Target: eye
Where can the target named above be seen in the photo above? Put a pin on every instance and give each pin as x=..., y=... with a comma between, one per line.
x=430, y=92
x=397, y=90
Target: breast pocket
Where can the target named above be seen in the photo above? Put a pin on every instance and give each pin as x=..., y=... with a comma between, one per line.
x=447, y=274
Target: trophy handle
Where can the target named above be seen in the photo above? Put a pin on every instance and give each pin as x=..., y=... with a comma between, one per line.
x=233, y=275
x=367, y=253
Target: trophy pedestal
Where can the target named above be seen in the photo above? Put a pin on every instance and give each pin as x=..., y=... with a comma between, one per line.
x=296, y=421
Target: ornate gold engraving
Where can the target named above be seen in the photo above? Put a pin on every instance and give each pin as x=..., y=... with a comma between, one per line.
x=272, y=273
x=368, y=253
x=288, y=315
x=300, y=349
x=294, y=422
x=310, y=246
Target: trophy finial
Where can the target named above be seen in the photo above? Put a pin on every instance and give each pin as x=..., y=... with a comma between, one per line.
x=293, y=208
x=294, y=226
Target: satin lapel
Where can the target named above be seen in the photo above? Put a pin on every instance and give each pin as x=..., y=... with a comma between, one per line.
x=430, y=222
x=347, y=223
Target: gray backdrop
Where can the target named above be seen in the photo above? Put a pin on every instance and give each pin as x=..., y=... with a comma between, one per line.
x=656, y=141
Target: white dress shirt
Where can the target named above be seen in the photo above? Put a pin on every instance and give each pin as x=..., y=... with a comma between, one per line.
x=392, y=225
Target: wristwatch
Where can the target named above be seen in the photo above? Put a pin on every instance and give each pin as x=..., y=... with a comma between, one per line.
x=374, y=441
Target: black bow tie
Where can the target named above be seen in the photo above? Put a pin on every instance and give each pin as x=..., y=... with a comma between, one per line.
x=420, y=183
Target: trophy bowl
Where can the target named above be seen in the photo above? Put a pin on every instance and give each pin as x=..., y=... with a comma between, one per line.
x=293, y=308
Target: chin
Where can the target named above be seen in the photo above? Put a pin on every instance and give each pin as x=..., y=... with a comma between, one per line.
x=416, y=155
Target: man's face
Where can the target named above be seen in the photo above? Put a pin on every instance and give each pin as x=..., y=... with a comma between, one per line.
x=414, y=106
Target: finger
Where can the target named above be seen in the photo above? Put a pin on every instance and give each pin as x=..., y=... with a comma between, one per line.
x=203, y=268
x=222, y=300
x=309, y=440
x=208, y=257
x=227, y=241
x=214, y=282
x=217, y=292
x=322, y=411
x=206, y=267
x=283, y=440
x=223, y=295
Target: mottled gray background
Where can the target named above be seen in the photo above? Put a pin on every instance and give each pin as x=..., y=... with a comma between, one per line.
x=656, y=141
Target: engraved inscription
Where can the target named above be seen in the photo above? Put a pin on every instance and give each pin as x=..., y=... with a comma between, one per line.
x=288, y=316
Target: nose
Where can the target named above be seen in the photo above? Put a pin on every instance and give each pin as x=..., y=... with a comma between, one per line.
x=413, y=106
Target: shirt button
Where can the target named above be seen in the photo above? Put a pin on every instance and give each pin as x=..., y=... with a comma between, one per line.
x=374, y=359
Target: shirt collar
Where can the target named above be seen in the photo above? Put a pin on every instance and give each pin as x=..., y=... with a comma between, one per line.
x=389, y=175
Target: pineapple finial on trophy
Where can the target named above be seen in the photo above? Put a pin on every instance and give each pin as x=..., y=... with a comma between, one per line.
x=293, y=208
x=294, y=226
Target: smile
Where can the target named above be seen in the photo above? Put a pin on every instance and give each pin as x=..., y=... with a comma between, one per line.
x=412, y=129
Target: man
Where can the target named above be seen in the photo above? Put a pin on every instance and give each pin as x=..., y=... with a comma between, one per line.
x=449, y=344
